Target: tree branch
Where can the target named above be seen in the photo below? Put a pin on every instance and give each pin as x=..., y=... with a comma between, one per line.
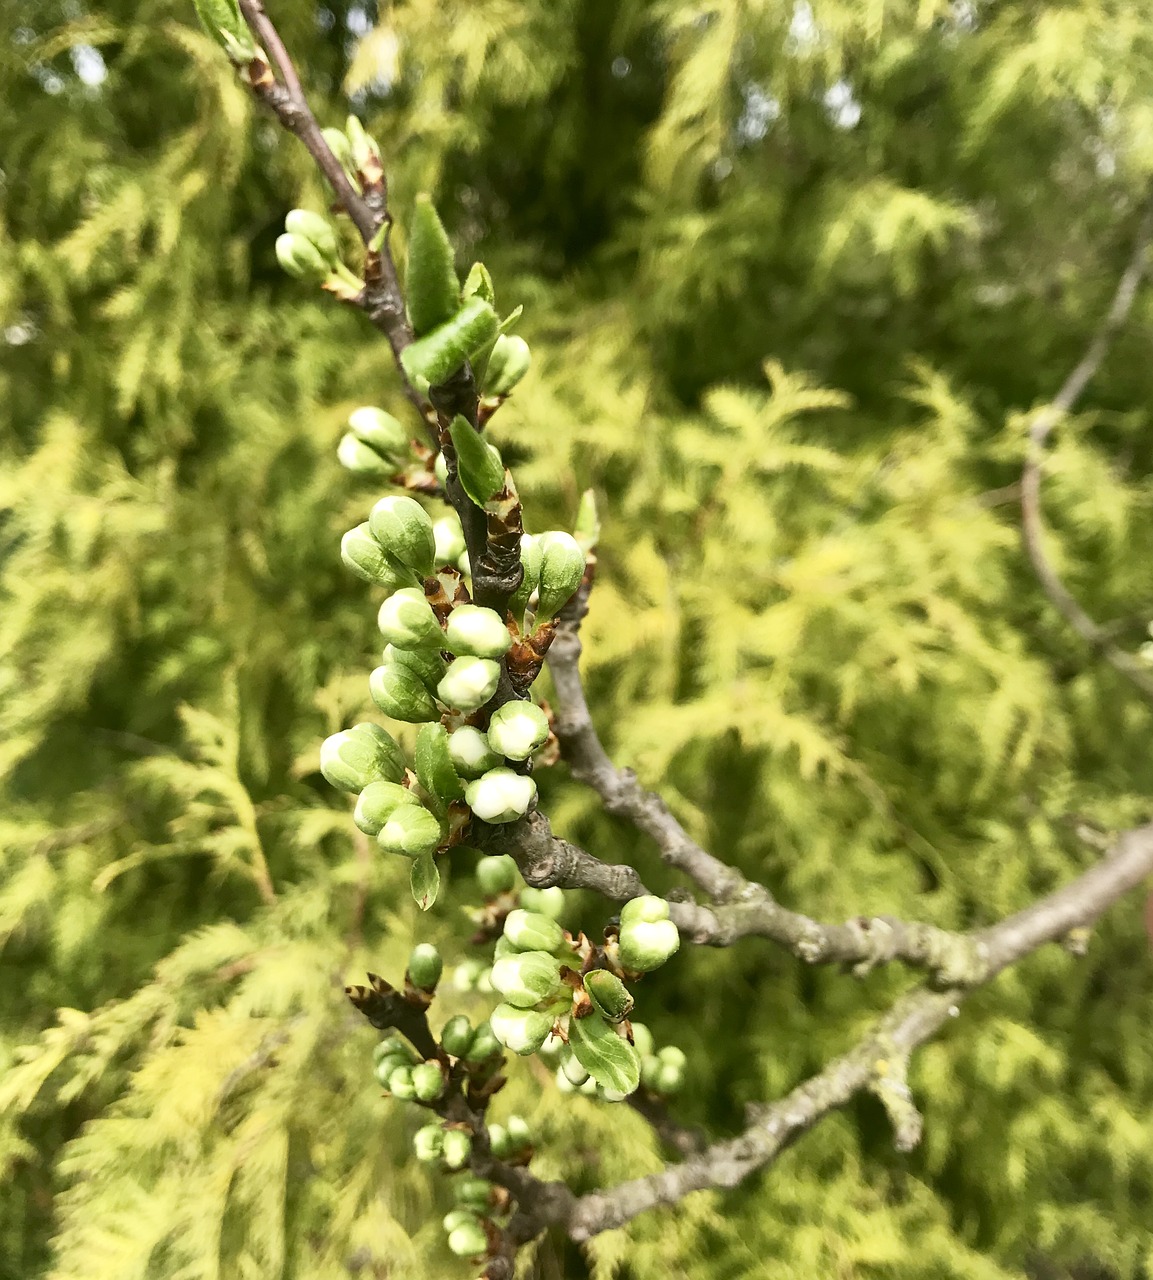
x=1044, y=421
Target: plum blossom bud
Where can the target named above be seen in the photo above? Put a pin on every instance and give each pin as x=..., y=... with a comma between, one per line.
x=380, y=431
x=403, y=527
x=484, y=1044
x=507, y=365
x=457, y=1148
x=496, y=875
x=468, y=683
x=521, y=1031
x=407, y=621
x=361, y=552
x=377, y=803
x=366, y=753
x=647, y=936
x=425, y=966
x=526, y=978
x=457, y=1036
x=449, y=540
x=410, y=830
x=470, y=753
x=500, y=795
x=562, y=567
x=317, y=230
x=360, y=458
x=517, y=729
x=477, y=631
x=528, y=931
x=428, y=1081
x=399, y=693
x=546, y=902
x=428, y=1143
x=468, y=1240
x=400, y=1083
x=300, y=258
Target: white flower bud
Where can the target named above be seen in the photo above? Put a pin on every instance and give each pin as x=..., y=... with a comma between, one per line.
x=360, y=458
x=521, y=1031
x=410, y=830
x=407, y=621
x=361, y=552
x=468, y=683
x=562, y=567
x=398, y=692
x=528, y=931
x=646, y=945
x=517, y=729
x=355, y=757
x=449, y=539
x=404, y=529
x=471, y=629
x=500, y=795
x=470, y=753
x=526, y=978
x=380, y=431
x=317, y=230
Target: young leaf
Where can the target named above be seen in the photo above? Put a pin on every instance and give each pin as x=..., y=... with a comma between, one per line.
x=442, y=351
x=434, y=768
x=431, y=287
x=478, y=464
x=425, y=881
x=609, y=1059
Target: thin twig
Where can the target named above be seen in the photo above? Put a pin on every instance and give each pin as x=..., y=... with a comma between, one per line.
x=1044, y=421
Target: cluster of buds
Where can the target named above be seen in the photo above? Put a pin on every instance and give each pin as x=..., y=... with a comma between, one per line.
x=375, y=444
x=309, y=250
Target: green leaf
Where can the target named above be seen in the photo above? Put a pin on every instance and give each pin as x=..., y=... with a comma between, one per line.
x=434, y=768
x=425, y=881
x=478, y=464
x=432, y=290
x=610, y=1060
x=439, y=354
x=479, y=284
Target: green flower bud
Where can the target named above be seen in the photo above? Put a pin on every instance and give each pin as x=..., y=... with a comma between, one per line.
x=484, y=1044
x=410, y=831
x=428, y=1143
x=670, y=1078
x=609, y=995
x=404, y=529
x=531, y=556
x=361, y=459
x=427, y=664
x=457, y=1148
x=472, y=1193
x=520, y=1135
x=562, y=567
x=496, y=875
x=456, y=1038
x=528, y=931
x=517, y=729
x=431, y=287
x=507, y=365
x=407, y=621
x=386, y=1066
x=647, y=908
x=645, y=946
x=650, y=1071
x=470, y=753
x=466, y=974
x=642, y=1039
x=365, y=152
x=478, y=463
x=468, y=1240
x=223, y=22
x=361, y=552
x=438, y=354
x=468, y=683
x=400, y=1083
x=440, y=468
x=476, y=631
x=338, y=144
x=458, y=1218
x=573, y=1072
x=500, y=795
x=380, y=431
x=546, y=902
x=449, y=539
x=563, y=1083
x=527, y=978
x=399, y=693
x=366, y=753
x=553, y=1049
x=671, y=1056
x=498, y=1141
x=521, y=1031
x=300, y=258
x=318, y=231
x=377, y=803
x=428, y=1081
x=425, y=966
x=392, y=1046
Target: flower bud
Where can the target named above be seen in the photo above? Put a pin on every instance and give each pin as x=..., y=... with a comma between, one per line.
x=300, y=258
x=609, y=995
x=366, y=753
x=407, y=621
x=498, y=1141
x=456, y=1038
x=364, y=149
x=670, y=1073
x=411, y=831
x=339, y=145
x=425, y=966
x=562, y=567
x=496, y=875
x=642, y=1039
x=404, y=529
x=361, y=459
x=399, y=693
x=458, y=1218
x=526, y=978
x=468, y=1240
x=318, y=231
x=522, y=1031
x=426, y=664
x=531, y=556
x=470, y=753
x=572, y=1071
x=507, y=365
x=400, y=1083
x=644, y=946
x=457, y=1148
x=468, y=683
x=647, y=908
x=484, y=1044
x=449, y=539
x=480, y=632
x=467, y=973
x=546, y=902
x=428, y=1143
x=517, y=729
x=361, y=552
x=520, y=1135
x=528, y=931
x=428, y=1081
x=440, y=469
x=380, y=431
x=500, y=795
x=472, y=1193
x=392, y=1046
x=377, y=803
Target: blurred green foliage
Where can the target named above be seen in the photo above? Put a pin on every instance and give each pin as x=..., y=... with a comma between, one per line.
x=813, y=629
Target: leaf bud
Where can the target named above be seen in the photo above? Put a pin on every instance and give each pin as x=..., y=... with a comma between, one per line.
x=468, y=683
x=527, y=978
x=507, y=365
x=377, y=803
x=448, y=538
x=529, y=931
x=522, y=1031
x=404, y=529
x=644, y=945
x=399, y=693
x=428, y=1143
x=457, y=1148
x=317, y=230
x=428, y=1081
x=484, y=1044
x=470, y=753
x=432, y=290
x=472, y=1193
x=478, y=284
x=407, y=621
x=400, y=1083
x=468, y=1240
x=474, y=630
x=361, y=552
x=496, y=874
x=517, y=729
x=499, y=795
x=562, y=567
x=411, y=831
x=366, y=753
x=300, y=258
x=456, y=1038
x=546, y=902
x=609, y=995
x=380, y=431
x=361, y=459
x=439, y=353
x=425, y=966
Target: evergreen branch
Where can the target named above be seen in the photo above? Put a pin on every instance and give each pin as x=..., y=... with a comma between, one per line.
x=878, y=1060
x=1044, y=421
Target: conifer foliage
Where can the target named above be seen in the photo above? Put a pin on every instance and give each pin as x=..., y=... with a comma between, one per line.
x=796, y=388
